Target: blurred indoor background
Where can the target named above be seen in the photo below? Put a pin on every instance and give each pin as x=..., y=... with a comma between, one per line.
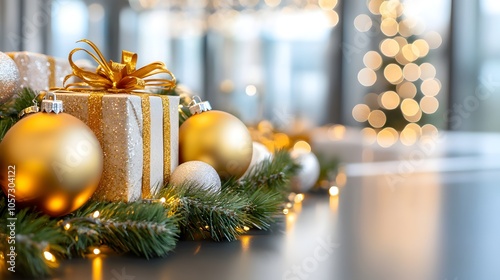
x=395, y=68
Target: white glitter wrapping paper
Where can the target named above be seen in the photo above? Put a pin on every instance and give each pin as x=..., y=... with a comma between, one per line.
x=36, y=72
x=123, y=143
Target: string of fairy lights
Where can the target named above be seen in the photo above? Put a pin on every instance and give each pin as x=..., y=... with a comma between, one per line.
x=400, y=111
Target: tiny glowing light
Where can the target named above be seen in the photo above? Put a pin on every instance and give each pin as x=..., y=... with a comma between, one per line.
x=334, y=191
x=327, y=4
x=227, y=86
x=389, y=100
x=302, y=145
x=299, y=198
x=411, y=72
x=291, y=196
x=367, y=77
x=96, y=214
x=389, y=47
x=289, y=205
x=374, y=6
x=388, y=9
x=245, y=228
x=401, y=41
x=363, y=23
x=434, y=39
x=369, y=135
x=410, y=52
x=414, y=118
x=389, y=27
x=422, y=46
x=163, y=200
x=429, y=104
x=96, y=251
x=429, y=129
x=251, y=90
x=377, y=118
x=337, y=131
x=281, y=140
x=333, y=17
x=427, y=71
x=272, y=3
x=207, y=227
x=406, y=90
x=393, y=73
x=285, y=211
x=404, y=29
x=415, y=127
x=361, y=112
x=409, y=107
x=372, y=60
x=48, y=256
x=387, y=137
x=67, y=226
x=430, y=87
x=408, y=136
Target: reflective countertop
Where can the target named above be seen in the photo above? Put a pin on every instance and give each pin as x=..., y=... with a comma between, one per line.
x=437, y=221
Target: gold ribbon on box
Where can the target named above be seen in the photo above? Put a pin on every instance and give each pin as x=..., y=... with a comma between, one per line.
x=113, y=77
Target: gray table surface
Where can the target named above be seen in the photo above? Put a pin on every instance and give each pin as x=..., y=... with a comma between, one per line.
x=436, y=226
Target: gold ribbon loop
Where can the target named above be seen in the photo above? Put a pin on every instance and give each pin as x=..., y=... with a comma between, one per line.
x=117, y=77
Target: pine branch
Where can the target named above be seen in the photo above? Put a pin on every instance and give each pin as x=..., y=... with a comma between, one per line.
x=35, y=235
x=143, y=229
x=204, y=213
x=9, y=111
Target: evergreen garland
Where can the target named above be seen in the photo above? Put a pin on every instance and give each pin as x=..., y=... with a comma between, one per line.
x=147, y=228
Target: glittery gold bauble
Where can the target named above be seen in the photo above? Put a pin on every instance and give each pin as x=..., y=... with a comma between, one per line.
x=52, y=161
x=196, y=172
x=9, y=78
x=219, y=139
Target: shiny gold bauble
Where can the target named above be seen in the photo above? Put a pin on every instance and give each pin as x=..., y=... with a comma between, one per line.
x=52, y=161
x=219, y=139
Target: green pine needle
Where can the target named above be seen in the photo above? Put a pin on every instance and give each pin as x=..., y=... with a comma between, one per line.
x=147, y=229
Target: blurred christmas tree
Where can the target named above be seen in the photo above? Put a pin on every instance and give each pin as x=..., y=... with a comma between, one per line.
x=406, y=85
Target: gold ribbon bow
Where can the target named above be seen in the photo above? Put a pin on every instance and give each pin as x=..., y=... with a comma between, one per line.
x=117, y=77
x=113, y=77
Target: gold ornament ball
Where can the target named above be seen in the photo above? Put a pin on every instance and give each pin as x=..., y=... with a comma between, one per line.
x=9, y=78
x=52, y=161
x=219, y=139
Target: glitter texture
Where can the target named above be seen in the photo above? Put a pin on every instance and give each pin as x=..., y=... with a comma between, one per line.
x=197, y=172
x=40, y=72
x=123, y=146
x=9, y=78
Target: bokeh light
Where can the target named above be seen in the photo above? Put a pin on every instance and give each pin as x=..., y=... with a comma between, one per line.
x=429, y=104
x=393, y=73
x=389, y=47
x=377, y=118
x=430, y=87
x=406, y=90
x=372, y=60
x=367, y=77
x=411, y=72
x=361, y=112
x=363, y=23
x=389, y=100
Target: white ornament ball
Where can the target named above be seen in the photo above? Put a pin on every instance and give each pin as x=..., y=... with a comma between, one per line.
x=259, y=154
x=9, y=78
x=308, y=173
x=196, y=172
